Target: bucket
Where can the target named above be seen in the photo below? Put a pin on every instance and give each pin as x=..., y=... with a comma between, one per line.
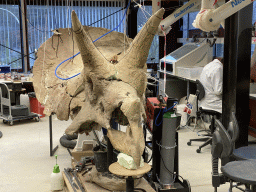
x=100, y=158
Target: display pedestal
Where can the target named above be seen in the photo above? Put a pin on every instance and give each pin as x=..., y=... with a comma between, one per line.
x=117, y=169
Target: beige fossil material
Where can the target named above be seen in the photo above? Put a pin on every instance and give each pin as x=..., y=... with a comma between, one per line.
x=111, y=85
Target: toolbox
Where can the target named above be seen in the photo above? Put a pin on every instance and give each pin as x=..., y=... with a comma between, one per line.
x=16, y=110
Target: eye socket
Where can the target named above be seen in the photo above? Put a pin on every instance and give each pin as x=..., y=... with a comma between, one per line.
x=120, y=117
x=75, y=111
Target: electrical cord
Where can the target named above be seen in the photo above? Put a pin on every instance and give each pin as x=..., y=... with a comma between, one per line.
x=93, y=42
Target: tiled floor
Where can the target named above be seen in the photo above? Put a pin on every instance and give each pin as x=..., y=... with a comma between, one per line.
x=26, y=165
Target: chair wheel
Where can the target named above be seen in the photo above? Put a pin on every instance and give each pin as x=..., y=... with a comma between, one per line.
x=189, y=143
x=4, y=121
x=10, y=123
x=198, y=150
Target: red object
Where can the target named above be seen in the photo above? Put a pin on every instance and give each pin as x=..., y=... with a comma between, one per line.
x=152, y=111
x=36, y=107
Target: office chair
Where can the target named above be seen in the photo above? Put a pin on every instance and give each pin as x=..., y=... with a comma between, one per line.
x=241, y=172
x=200, y=93
x=242, y=153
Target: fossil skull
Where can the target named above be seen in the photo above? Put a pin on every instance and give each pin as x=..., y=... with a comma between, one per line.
x=110, y=86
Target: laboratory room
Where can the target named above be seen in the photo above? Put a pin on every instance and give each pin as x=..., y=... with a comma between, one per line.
x=127, y=95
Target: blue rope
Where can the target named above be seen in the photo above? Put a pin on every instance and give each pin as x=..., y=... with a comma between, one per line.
x=93, y=42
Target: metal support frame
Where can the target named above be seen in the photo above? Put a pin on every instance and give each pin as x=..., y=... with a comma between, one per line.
x=110, y=152
x=52, y=151
x=24, y=35
x=243, y=73
x=229, y=69
x=236, y=70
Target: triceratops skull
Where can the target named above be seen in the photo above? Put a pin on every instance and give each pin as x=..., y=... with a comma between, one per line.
x=107, y=88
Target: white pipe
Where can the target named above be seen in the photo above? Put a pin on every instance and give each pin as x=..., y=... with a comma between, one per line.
x=176, y=15
x=210, y=19
x=156, y=5
x=228, y=9
x=207, y=4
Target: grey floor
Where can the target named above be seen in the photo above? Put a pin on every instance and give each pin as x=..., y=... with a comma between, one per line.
x=26, y=165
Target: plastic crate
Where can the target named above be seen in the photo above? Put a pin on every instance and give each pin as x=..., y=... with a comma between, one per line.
x=36, y=107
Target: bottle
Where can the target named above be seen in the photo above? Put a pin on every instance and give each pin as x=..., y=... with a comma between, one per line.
x=57, y=181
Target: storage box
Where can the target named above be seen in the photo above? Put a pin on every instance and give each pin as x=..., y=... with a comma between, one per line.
x=189, y=72
x=17, y=110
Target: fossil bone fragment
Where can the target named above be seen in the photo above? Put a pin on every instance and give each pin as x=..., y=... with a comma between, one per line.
x=111, y=84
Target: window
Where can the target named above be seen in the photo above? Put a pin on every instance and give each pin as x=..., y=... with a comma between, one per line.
x=10, y=44
x=44, y=18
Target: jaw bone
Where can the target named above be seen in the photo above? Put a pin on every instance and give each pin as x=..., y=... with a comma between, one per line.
x=115, y=86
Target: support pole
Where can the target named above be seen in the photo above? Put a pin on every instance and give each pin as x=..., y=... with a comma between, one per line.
x=24, y=36
x=243, y=73
x=236, y=71
x=110, y=156
x=130, y=184
x=109, y=152
x=229, y=69
x=52, y=151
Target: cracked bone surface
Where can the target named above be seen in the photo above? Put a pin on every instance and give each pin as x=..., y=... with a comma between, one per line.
x=107, y=88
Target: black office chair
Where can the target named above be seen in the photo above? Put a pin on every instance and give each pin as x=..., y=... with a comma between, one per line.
x=241, y=172
x=242, y=153
x=200, y=93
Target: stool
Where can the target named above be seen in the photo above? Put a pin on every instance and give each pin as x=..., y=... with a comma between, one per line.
x=241, y=171
x=117, y=169
x=245, y=153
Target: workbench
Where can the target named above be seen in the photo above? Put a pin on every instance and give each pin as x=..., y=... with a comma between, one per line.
x=176, y=86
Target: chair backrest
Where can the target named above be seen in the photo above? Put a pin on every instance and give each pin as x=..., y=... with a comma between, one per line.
x=222, y=145
x=200, y=90
x=233, y=128
x=5, y=100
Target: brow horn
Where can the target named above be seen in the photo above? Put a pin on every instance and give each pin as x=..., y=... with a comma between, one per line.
x=91, y=56
x=138, y=50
